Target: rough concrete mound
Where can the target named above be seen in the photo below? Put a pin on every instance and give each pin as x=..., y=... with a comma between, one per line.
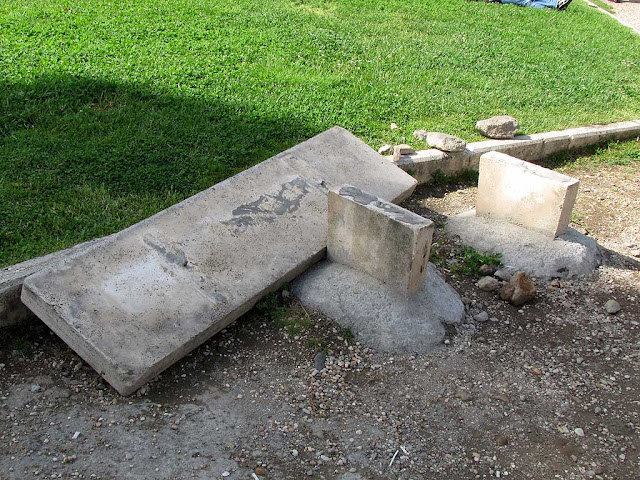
x=379, y=316
x=570, y=255
x=139, y=301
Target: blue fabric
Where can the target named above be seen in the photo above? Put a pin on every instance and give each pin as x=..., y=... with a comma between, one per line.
x=533, y=3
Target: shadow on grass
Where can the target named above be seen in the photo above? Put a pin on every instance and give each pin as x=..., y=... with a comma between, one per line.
x=85, y=157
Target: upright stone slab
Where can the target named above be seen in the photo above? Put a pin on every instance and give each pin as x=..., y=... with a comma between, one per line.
x=142, y=299
x=525, y=194
x=379, y=238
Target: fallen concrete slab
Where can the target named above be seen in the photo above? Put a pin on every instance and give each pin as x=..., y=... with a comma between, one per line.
x=141, y=300
x=381, y=317
x=570, y=255
x=12, y=310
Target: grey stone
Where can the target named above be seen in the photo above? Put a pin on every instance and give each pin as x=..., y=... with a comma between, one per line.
x=446, y=143
x=130, y=307
x=500, y=126
x=488, y=284
x=379, y=316
x=570, y=255
x=385, y=150
x=503, y=274
x=320, y=361
x=611, y=306
x=481, y=317
x=525, y=194
x=379, y=238
x=420, y=134
x=402, y=149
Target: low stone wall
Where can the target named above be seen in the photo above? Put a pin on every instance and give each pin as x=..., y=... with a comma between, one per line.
x=424, y=163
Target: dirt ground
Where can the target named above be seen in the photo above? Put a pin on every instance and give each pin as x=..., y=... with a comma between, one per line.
x=550, y=390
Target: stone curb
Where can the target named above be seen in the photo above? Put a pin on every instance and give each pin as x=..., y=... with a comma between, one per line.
x=424, y=163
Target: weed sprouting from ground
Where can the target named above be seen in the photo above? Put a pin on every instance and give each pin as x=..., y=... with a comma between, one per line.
x=469, y=261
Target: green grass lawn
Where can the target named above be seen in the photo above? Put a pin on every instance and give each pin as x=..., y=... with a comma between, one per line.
x=111, y=111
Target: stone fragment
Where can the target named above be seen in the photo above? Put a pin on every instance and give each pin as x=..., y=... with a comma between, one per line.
x=402, y=149
x=488, y=284
x=503, y=274
x=379, y=238
x=446, y=143
x=130, y=307
x=506, y=292
x=320, y=361
x=464, y=395
x=612, y=307
x=500, y=126
x=420, y=134
x=481, y=317
x=385, y=150
x=486, y=269
x=524, y=289
x=525, y=194
x=393, y=126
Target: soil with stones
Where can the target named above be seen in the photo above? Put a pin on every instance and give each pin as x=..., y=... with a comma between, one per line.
x=548, y=390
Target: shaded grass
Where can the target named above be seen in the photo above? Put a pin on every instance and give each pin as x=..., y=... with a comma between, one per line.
x=593, y=158
x=110, y=112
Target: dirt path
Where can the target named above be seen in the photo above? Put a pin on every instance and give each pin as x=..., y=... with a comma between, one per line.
x=549, y=390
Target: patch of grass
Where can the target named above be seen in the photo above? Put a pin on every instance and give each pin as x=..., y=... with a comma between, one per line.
x=604, y=5
x=112, y=111
x=346, y=334
x=608, y=155
x=290, y=317
x=470, y=261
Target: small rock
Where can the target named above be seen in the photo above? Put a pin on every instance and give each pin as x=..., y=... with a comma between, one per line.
x=481, y=317
x=501, y=440
x=486, y=269
x=612, y=307
x=294, y=452
x=35, y=388
x=324, y=458
x=128, y=457
x=524, y=289
x=503, y=274
x=635, y=253
x=502, y=397
x=402, y=149
x=286, y=294
x=500, y=126
x=506, y=292
x=420, y=134
x=446, y=143
x=394, y=126
x=488, y=284
x=259, y=471
x=385, y=150
x=320, y=361
x=579, y=432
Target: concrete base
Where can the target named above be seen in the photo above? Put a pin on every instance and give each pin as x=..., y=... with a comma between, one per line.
x=379, y=316
x=570, y=255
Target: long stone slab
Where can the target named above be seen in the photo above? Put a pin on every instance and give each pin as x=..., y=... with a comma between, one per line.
x=12, y=310
x=141, y=300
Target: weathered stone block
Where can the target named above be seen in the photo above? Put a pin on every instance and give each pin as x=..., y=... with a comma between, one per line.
x=525, y=194
x=379, y=238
